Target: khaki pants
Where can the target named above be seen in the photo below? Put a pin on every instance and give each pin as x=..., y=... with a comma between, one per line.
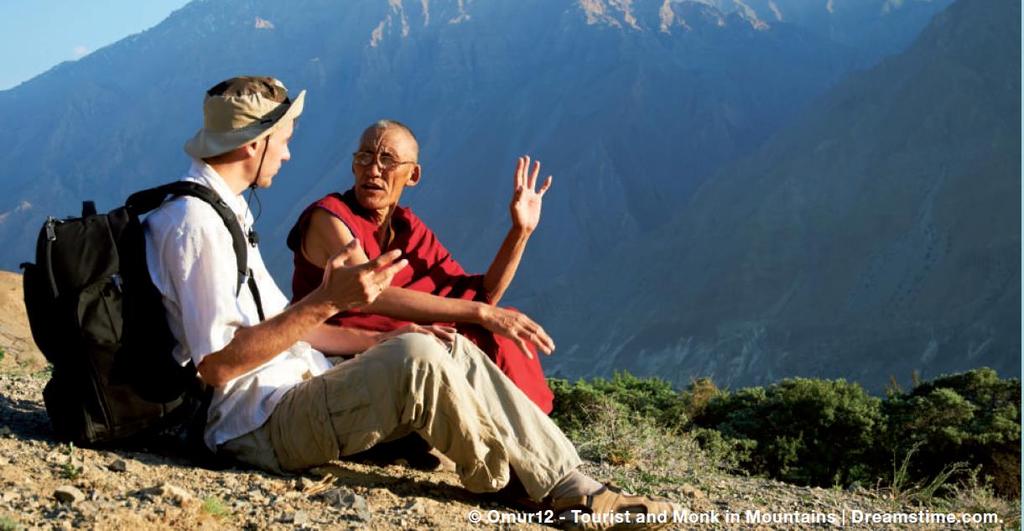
x=459, y=402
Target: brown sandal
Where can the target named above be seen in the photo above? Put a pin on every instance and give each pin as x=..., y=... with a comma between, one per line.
x=610, y=509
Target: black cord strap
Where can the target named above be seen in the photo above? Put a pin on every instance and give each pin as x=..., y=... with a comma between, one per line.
x=256, y=296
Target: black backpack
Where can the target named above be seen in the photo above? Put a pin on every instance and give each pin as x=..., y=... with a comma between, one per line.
x=97, y=317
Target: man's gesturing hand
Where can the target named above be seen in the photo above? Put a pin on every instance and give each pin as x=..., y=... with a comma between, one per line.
x=518, y=328
x=351, y=286
x=526, y=201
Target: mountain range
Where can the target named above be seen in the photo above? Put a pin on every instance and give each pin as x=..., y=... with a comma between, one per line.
x=630, y=104
x=876, y=235
x=644, y=110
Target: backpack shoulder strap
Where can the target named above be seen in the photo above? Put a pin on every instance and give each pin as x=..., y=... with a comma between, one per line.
x=145, y=201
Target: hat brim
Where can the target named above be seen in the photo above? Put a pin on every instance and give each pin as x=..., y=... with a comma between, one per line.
x=205, y=144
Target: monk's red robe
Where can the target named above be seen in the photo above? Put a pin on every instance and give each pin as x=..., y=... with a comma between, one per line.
x=431, y=269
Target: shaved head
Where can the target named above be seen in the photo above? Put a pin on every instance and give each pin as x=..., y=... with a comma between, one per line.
x=378, y=128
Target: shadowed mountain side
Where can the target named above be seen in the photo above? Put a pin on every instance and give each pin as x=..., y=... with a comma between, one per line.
x=877, y=235
x=614, y=99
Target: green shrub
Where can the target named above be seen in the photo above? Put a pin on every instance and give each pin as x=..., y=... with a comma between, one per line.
x=697, y=395
x=648, y=397
x=816, y=432
x=576, y=405
x=726, y=453
x=971, y=417
x=806, y=431
x=651, y=398
x=632, y=424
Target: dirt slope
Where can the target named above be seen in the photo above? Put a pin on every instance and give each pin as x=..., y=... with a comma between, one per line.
x=20, y=352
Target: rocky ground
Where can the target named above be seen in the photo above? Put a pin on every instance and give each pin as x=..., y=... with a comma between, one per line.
x=46, y=484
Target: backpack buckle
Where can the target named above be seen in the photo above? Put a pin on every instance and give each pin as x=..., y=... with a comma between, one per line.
x=51, y=234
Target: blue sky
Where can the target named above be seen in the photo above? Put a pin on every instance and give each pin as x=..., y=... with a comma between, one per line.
x=36, y=35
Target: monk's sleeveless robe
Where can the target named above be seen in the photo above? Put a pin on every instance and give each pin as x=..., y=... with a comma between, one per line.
x=431, y=269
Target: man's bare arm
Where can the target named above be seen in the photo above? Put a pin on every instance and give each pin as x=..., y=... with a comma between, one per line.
x=341, y=340
x=525, y=212
x=255, y=345
x=505, y=264
x=343, y=287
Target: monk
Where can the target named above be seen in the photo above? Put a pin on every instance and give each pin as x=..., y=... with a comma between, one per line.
x=433, y=294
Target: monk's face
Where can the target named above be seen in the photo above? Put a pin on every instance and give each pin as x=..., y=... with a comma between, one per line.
x=384, y=165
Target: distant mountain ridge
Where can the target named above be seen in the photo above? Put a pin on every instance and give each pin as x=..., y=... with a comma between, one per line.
x=586, y=91
x=632, y=105
x=876, y=236
x=854, y=23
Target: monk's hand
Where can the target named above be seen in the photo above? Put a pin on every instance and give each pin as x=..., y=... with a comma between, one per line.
x=517, y=327
x=444, y=334
x=350, y=286
x=526, y=200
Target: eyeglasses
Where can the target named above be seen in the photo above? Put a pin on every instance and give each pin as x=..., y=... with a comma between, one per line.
x=387, y=162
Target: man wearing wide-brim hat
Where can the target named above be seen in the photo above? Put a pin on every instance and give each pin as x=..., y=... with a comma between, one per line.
x=244, y=111
x=277, y=402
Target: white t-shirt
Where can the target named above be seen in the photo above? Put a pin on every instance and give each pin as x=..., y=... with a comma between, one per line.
x=192, y=262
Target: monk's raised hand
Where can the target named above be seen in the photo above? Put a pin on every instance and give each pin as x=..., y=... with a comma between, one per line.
x=517, y=327
x=351, y=286
x=527, y=199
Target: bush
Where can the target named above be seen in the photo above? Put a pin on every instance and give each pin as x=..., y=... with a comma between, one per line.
x=726, y=453
x=807, y=431
x=971, y=417
x=618, y=422
x=652, y=398
x=817, y=432
x=697, y=395
x=577, y=405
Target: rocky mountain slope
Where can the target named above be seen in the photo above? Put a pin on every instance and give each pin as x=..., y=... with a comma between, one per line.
x=630, y=104
x=876, y=28
x=876, y=236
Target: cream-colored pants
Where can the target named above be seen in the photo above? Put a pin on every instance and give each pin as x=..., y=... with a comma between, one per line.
x=459, y=401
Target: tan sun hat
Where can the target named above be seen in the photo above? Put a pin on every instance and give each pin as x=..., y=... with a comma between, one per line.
x=241, y=110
